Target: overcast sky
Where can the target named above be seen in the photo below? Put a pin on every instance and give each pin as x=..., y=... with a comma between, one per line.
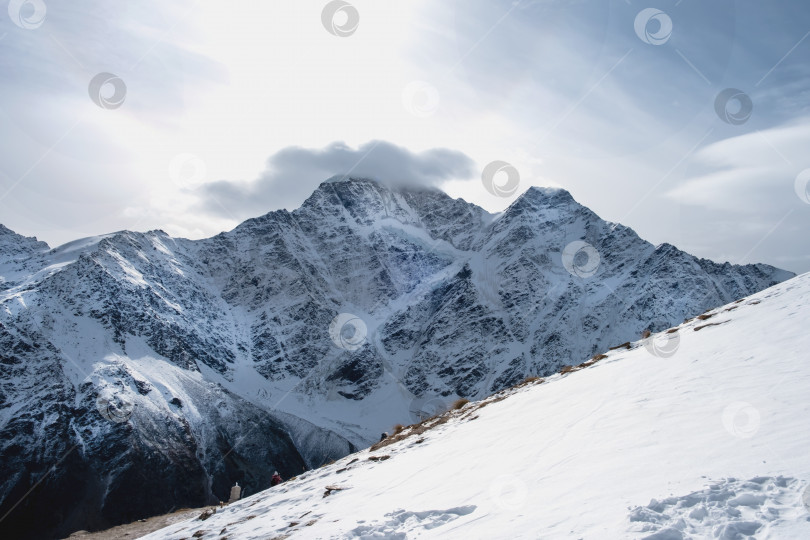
x=686, y=120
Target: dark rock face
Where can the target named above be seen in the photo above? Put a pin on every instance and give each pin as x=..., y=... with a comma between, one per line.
x=141, y=373
x=93, y=469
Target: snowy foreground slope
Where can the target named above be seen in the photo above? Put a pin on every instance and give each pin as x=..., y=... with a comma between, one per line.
x=699, y=433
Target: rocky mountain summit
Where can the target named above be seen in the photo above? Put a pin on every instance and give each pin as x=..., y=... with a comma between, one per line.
x=141, y=372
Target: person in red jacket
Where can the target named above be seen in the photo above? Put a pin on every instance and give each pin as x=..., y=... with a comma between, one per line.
x=276, y=479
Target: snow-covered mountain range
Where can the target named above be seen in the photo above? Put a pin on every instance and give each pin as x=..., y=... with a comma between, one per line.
x=141, y=372
x=708, y=442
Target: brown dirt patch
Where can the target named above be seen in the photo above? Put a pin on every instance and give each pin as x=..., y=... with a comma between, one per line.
x=137, y=529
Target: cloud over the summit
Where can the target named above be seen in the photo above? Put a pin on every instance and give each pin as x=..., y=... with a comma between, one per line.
x=294, y=172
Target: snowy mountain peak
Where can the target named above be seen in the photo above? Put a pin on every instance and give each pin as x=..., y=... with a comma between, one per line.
x=13, y=245
x=548, y=195
x=367, y=306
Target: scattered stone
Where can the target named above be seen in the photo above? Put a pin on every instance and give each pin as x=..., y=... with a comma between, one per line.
x=207, y=513
x=330, y=489
x=701, y=327
x=143, y=387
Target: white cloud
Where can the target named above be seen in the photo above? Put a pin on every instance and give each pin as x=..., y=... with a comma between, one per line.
x=293, y=173
x=754, y=171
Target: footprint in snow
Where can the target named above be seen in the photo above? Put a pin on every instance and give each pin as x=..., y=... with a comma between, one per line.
x=729, y=509
x=400, y=523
